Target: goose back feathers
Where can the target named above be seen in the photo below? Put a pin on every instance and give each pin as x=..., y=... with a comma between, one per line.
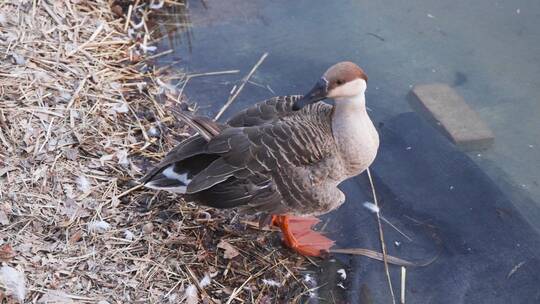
x=266, y=159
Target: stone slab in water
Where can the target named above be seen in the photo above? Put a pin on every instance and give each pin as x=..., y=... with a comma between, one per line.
x=442, y=105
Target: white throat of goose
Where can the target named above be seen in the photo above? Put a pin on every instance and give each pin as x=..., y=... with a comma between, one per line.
x=344, y=82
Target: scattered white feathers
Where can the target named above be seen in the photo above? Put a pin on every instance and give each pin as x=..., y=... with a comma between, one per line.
x=372, y=207
x=205, y=281
x=311, y=283
x=153, y=132
x=309, y=279
x=128, y=235
x=14, y=282
x=83, y=184
x=271, y=283
x=98, y=226
x=138, y=25
x=191, y=295
x=122, y=156
x=342, y=273
x=148, y=48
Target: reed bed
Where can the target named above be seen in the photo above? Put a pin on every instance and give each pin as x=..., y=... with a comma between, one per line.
x=83, y=114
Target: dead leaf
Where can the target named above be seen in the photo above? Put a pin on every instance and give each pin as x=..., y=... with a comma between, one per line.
x=6, y=253
x=230, y=251
x=75, y=237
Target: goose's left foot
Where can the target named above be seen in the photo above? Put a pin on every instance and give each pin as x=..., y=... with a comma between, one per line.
x=298, y=235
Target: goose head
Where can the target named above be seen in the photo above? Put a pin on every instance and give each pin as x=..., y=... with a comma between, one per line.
x=342, y=81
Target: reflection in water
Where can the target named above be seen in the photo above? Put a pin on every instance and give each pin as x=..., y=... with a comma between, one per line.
x=172, y=27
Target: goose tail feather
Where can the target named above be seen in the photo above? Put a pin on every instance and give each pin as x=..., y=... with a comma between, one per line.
x=170, y=180
x=185, y=161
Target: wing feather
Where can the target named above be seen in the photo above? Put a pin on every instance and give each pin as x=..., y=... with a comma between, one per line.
x=264, y=112
x=252, y=161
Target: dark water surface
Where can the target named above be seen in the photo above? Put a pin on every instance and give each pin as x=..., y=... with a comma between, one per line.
x=479, y=211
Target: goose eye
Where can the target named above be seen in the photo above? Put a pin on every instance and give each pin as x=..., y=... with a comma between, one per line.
x=339, y=82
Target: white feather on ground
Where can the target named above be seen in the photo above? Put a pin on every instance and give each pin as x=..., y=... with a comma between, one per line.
x=83, y=184
x=342, y=273
x=98, y=226
x=205, y=281
x=191, y=295
x=14, y=282
x=271, y=282
x=128, y=235
x=122, y=156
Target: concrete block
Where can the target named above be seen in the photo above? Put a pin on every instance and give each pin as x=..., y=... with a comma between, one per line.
x=447, y=110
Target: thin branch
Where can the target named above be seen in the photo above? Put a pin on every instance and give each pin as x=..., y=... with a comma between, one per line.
x=381, y=236
x=237, y=92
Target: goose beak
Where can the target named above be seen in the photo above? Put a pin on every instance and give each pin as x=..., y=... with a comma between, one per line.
x=319, y=92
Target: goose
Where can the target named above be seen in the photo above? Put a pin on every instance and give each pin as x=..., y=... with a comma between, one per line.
x=281, y=158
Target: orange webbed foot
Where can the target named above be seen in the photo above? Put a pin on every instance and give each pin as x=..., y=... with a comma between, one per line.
x=298, y=235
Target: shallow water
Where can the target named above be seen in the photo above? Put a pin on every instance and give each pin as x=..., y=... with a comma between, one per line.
x=488, y=50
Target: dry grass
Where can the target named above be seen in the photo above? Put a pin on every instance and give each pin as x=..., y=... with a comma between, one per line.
x=79, y=123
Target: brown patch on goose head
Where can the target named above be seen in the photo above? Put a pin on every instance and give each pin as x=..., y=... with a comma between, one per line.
x=335, y=83
x=343, y=72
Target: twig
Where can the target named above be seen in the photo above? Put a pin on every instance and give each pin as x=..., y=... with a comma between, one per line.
x=375, y=209
x=47, y=137
x=237, y=290
x=403, y=280
x=128, y=18
x=195, y=282
x=375, y=255
x=76, y=93
x=381, y=236
x=189, y=77
x=213, y=73
x=237, y=92
x=51, y=13
x=92, y=37
x=396, y=228
x=129, y=190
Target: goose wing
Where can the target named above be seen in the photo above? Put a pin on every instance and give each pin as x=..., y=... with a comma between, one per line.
x=260, y=113
x=264, y=112
x=272, y=161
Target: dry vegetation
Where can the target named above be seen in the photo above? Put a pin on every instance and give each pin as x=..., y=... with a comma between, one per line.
x=82, y=116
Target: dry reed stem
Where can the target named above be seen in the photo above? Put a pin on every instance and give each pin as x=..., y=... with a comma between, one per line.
x=236, y=92
x=381, y=237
